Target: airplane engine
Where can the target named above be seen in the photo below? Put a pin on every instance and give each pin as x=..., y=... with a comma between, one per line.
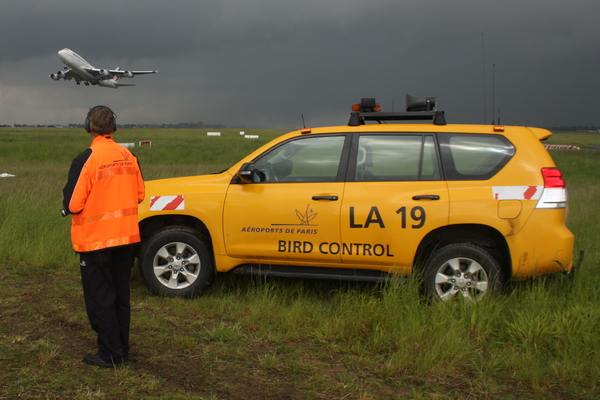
x=57, y=76
x=104, y=72
x=128, y=74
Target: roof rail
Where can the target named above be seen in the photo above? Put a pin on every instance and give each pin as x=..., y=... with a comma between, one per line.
x=416, y=109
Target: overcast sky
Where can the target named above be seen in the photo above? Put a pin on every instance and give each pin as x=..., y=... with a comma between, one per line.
x=265, y=63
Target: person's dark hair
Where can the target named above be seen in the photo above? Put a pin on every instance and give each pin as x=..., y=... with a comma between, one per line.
x=101, y=120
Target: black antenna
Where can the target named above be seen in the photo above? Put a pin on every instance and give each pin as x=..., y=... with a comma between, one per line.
x=493, y=94
x=303, y=124
x=483, y=68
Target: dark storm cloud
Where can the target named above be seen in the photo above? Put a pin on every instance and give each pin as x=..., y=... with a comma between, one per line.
x=266, y=62
x=111, y=28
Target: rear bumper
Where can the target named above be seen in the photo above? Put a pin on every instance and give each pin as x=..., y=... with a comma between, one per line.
x=544, y=246
x=576, y=267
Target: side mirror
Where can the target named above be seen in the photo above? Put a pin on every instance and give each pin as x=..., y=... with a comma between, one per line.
x=245, y=173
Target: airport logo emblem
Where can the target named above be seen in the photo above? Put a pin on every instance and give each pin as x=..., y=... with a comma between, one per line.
x=307, y=216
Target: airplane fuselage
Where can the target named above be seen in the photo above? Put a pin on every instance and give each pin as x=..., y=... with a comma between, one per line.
x=76, y=63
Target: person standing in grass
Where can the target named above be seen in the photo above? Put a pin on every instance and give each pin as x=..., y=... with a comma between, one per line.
x=103, y=190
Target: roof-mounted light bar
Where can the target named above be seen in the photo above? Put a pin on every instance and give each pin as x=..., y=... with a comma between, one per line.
x=416, y=109
x=367, y=104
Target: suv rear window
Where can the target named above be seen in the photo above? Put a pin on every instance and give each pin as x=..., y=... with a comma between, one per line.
x=474, y=156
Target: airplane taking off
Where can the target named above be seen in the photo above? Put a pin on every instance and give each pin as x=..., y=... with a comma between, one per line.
x=80, y=70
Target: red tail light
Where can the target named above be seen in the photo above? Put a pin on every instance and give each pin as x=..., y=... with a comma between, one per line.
x=553, y=178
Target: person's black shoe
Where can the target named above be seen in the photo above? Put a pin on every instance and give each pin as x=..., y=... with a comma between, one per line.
x=97, y=361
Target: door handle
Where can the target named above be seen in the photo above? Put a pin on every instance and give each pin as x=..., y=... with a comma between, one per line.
x=426, y=197
x=330, y=198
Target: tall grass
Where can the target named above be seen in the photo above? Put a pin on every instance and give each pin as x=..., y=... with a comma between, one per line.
x=538, y=339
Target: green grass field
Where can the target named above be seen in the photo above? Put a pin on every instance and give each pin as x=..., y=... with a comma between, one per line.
x=281, y=339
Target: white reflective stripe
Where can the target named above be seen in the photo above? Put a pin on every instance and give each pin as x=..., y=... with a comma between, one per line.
x=553, y=198
x=160, y=203
x=517, y=192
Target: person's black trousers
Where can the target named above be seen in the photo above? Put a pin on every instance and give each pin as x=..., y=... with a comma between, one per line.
x=105, y=278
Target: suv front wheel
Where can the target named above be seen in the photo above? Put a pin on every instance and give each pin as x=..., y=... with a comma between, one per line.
x=461, y=270
x=175, y=262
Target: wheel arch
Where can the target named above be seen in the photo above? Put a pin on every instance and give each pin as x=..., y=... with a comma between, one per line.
x=481, y=235
x=150, y=226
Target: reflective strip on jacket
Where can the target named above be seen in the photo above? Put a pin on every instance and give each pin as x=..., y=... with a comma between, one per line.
x=103, y=191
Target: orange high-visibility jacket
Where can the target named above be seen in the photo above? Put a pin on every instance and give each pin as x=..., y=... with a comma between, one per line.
x=103, y=191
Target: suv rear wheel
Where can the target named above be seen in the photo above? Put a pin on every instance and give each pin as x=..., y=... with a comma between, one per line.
x=461, y=270
x=176, y=262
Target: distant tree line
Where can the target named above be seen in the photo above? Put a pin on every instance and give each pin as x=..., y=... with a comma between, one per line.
x=576, y=128
x=181, y=125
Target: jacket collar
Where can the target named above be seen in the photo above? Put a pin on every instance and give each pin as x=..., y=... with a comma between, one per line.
x=102, y=139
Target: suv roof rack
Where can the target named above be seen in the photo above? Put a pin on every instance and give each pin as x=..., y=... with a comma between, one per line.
x=424, y=108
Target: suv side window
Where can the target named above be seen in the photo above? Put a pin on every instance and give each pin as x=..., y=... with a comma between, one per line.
x=310, y=159
x=474, y=156
x=396, y=158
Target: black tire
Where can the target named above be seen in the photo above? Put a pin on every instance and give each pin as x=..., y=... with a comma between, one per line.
x=175, y=262
x=461, y=270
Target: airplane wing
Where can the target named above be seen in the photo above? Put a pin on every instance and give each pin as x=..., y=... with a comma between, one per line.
x=108, y=73
x=124, y=73
x=113, y=83
x=70, y=74
x=96, y=72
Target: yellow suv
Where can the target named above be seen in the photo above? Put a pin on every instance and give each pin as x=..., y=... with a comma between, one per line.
x=469, y=207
